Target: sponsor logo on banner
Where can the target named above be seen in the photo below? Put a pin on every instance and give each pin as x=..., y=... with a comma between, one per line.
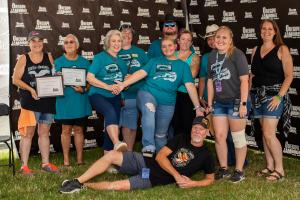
x=42, y=25
x=249, y=33
x=294, y=52
x=20, y=25
x=251, y=141
x=161, y=12
x=194, y=34
x=296, y=72
x=293, y=130
x=94, y=115
x=228, y=1
x=193, y=3
x=45, y=41
x=143, y=12
x=269, y=13
x=102, y=40
x=291, y=149
x=161, y=1
x=123, y=22
x=197, y=50
x=87, y=55
x=228, y=16
x=292, y=31
x=64, y=10
x=86, y=40
x=42, y=9
x=248, y=15
x=86, y=10
x=157, y=28
x=106, y=11
x=194, y=19
x=249, y=51
x=295, y=111
x=248, y=1
x=143, y=40
x=179, y=1
x=293, y=91
x=17, y=105
x=90, y=129
x=65, y=25
x=177, y=13
x=129, y=1
x=17, y=136
x=293, y=11
x=106, y=25
x=19, y=41
x=211, y=18
x=125, y=11
x=90, y=143
x=18, y=9
x=60, y=40
x=210, y=3
x=86, y=26
x=144, y=26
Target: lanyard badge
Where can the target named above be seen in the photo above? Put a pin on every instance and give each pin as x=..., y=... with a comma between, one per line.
x=218, y=64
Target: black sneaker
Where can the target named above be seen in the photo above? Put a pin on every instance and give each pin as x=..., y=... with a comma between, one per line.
x=222, y=173
x=148, y=154
x=237, y=176
x=70, y=186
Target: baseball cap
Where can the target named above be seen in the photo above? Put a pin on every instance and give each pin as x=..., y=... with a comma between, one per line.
x=34, y=34
x=203, y=121
x=211, y=30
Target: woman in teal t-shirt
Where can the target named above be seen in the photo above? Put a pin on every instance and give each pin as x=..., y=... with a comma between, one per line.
x=106, y=69
x=156, y=99
x=74, y=107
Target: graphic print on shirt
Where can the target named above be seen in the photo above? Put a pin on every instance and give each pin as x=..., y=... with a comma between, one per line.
x=182, y=157
x=38, y=71
x=131, y=60
x=113, y=73
x=165, y=72
x=220, y=73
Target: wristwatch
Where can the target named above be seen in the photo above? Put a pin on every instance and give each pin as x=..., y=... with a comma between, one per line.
x=243, y=103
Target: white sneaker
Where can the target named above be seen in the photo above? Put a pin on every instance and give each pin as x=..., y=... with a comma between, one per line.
x=112, y=170
x=120, y=146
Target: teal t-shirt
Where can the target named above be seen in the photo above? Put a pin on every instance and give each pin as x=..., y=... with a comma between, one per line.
x=135, y=58
x=73, y=104
x=107, y=69
x=203, y=72
x=164, y=78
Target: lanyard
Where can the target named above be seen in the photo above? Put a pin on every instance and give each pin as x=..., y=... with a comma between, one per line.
x=219, y=65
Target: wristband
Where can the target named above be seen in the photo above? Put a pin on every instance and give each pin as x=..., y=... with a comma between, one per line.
x=278, y=97
x=197, y=107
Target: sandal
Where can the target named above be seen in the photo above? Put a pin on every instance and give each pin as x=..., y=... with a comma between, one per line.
x=264, y=172
x=275, y=176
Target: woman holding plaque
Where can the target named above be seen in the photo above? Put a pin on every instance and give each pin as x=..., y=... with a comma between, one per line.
x=34, y=110
x=104, y=96
x=227, y=87
x=271, y=77
x=74, y=107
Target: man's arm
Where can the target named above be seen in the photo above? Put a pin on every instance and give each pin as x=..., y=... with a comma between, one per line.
x=189, y=183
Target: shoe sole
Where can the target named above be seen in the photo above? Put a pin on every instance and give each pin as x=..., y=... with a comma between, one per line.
x=122, y=147
x=73, y=191
x=238, y=180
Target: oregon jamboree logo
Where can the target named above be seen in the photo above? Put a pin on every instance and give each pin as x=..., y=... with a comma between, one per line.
x=157, y=28
x=129, y=1
x=17, y=105
x=292, y=11
x=295, y=111
x=143, y=40
x=161, y=1
x=86, y=40
x=296, y=72
x=65, y=25
x=228, y=16
x=194, y=19
x=85, y=10
x=248, y=15
x=106, y=11
x=19, y=41
x=18, y=9
x=143, y=12
x=42, y=25
x=64, y=10
x=102, y=40
x=211, y=18
x=42, y=9
x=125, y=11
x=294, y=52
x=88, y=26
x=144, y=26
x=291, y=149
x=161, y=12
x=19, y=25
x=292, y=91
x=106, y=25
x=87, y=54
x=193, y=3
x=177, y=13
x=249, y=33
x=249, y=51
x=60, y=40
x=292, y=31
x=269, y=13
x=210, y=3
x=248, y=1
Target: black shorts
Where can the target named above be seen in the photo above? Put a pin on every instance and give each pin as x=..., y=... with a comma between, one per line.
x=73, y=122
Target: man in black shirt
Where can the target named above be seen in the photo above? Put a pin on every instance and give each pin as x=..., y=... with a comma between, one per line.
x=182, y=157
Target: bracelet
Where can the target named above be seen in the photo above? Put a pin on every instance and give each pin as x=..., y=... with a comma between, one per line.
x=278, y=97
x=197, y=107
x=200, y=98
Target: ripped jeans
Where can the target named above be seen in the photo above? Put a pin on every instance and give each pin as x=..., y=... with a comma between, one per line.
x=155, y=121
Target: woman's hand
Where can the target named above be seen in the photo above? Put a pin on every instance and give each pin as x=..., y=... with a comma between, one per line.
x=34, y=94
x=243, y=111
x=274, y=103
x=78, y=89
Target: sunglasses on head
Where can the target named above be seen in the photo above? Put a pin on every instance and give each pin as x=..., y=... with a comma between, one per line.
x=172, y=24
x=69, y=42
x=125, y=26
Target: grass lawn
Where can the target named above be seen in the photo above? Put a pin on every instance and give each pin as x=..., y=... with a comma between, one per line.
x=45, y=186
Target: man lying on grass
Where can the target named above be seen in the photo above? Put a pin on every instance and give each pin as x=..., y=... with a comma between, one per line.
x=183, y=156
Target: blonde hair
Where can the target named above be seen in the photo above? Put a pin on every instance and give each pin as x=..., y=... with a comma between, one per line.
x=108, y=35
x=75, y=38
x=231, y=47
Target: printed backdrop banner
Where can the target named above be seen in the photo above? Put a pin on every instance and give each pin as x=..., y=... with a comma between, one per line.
x=244, y=17
x=89, y=20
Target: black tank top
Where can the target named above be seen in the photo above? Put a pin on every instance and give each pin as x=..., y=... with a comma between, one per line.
x=31, y=71
x=267, y=70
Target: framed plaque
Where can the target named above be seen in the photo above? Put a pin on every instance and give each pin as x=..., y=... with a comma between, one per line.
x=51, y=86
x=74, y=76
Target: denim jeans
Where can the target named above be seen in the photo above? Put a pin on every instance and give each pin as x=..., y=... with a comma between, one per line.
x=155, y=121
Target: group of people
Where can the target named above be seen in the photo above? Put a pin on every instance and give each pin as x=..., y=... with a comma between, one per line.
x=124, y=81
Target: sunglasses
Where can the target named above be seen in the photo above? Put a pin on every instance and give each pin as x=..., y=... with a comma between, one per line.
x=173, y=24
x=69, y=42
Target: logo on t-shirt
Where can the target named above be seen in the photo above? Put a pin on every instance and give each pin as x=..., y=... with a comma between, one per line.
x=113, y=73
x=182, y=157
x=165, y=72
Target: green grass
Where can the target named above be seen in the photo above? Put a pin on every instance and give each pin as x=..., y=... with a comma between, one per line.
x=45, y=186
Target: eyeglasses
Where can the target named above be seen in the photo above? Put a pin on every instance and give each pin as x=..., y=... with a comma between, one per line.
x=172, y=24
x=69, y=42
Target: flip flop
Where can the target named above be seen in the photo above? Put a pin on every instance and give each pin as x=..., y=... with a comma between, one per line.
x=275, y=176
x=264, y=172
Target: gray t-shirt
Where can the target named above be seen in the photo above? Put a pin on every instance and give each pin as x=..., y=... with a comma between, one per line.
x=225, y=76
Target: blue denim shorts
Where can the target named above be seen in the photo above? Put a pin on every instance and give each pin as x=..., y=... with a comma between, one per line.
x=228, y=109
x=263, y=112
x=129, y=114
x=44, y=118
